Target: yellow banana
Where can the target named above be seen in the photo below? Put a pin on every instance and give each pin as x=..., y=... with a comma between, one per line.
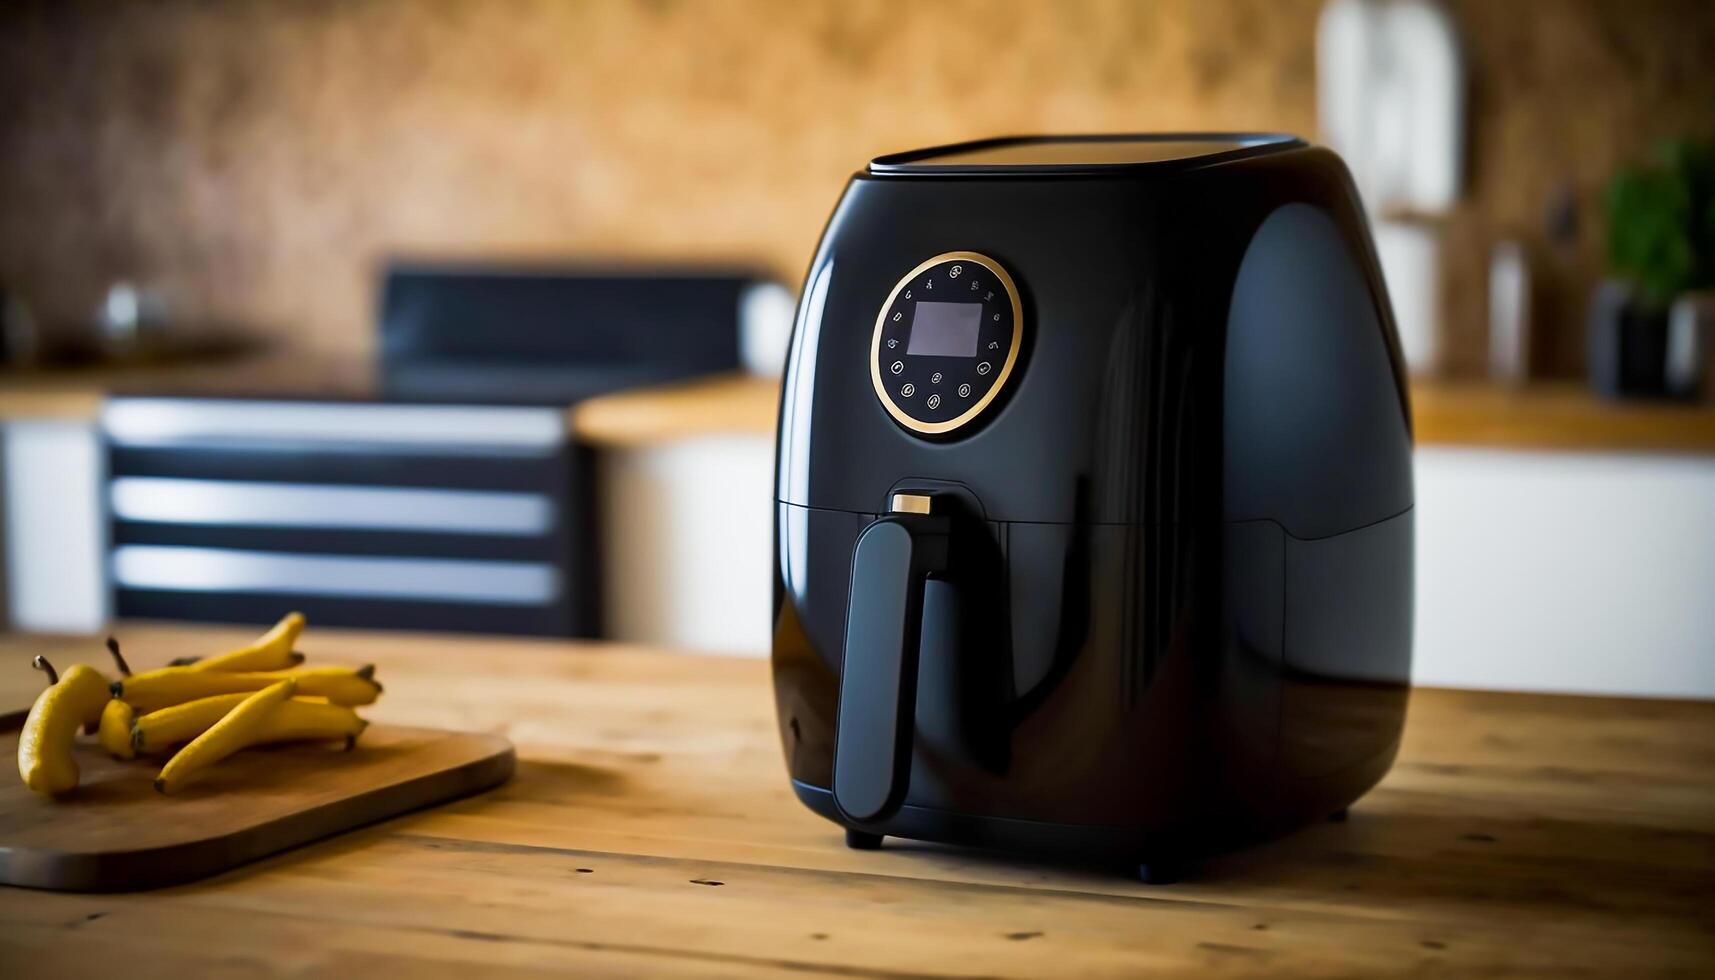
x=167, y=686
x=299, y=719
x=225, y=737
x=272, y=651
x=44, y=745
x=304, y=721
x=115, y=729
x=160, y=730
x=340, y=685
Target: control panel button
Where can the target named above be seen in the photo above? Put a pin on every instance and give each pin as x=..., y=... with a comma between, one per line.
x=964, y=391
x=934, y=401
x=935, y=378
x=907, y=391
x=899, y=366
x=982, y=368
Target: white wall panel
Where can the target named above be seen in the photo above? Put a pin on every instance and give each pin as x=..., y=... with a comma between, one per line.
x=54, y=528
x=1566, y=572
x=687, y=529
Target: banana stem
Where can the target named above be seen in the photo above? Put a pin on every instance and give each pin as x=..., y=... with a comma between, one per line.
x=41, y=663
x=118, y=658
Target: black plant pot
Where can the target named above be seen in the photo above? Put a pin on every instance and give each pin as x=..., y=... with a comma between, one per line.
x=1628, y=344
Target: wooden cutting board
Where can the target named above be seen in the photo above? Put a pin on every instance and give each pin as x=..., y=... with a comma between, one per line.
x=115, y=833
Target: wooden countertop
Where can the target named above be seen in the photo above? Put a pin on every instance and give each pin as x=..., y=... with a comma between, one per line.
x=650, y=831
x=732, y=404
x=76, y=393
x=60, y=395
x=1546, y=415
x=1555, y=415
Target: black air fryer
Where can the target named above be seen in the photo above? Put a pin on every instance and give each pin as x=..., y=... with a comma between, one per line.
x=1094, y=499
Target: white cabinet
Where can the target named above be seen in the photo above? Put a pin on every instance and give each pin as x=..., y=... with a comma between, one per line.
x=686, y=530
x=54, y=526
x=1562, y=571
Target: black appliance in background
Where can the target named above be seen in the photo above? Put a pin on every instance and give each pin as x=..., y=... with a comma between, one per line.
x=545, y=336
x=441, y=489
x=1094, y=500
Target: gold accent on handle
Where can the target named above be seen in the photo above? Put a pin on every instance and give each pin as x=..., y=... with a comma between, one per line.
x=910, y=503
x=938, y=428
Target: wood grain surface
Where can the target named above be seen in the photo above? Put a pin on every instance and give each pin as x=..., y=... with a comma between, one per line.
x=650, y=831
x=728, y=404
x=115, y=833
x=1555, y=415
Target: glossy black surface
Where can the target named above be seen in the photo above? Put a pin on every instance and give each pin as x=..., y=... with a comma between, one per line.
x=894, y=611
x=1181, y=545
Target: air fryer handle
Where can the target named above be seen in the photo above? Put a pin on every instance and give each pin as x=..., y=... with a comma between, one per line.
x=894, y=557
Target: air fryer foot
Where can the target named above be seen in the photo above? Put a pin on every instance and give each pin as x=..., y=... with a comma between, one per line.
x=858, y=840
x=1338, y=816
x=1159, y=872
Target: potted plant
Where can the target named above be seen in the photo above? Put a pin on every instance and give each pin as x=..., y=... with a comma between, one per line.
x=1661, y=246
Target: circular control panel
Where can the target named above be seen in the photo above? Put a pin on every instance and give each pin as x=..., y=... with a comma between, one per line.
x=946, y=342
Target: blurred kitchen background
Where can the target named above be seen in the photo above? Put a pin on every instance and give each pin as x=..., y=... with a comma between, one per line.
x=464, y=315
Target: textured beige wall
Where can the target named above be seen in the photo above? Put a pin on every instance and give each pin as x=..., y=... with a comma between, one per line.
x=256, y=160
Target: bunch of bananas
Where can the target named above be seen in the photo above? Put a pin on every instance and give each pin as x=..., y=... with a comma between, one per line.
x=212, y=707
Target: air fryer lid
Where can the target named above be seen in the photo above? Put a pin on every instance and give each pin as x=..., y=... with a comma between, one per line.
x=1082, y=154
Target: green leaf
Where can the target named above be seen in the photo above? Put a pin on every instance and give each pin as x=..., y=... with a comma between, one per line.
x=1661, y=222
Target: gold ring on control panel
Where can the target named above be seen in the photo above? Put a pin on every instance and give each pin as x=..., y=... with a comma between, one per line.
x=939, y=428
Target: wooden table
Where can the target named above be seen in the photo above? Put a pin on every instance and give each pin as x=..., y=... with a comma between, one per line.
x=650, y=831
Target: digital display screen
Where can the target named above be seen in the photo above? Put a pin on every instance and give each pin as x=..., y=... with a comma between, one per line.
x=945, y=329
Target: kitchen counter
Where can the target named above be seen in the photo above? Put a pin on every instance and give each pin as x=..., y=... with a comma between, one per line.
x=1555, y=415
x=650, y=831
x=1546, y=415
x=76, y=393
x=731, y=404
x=72, y=394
